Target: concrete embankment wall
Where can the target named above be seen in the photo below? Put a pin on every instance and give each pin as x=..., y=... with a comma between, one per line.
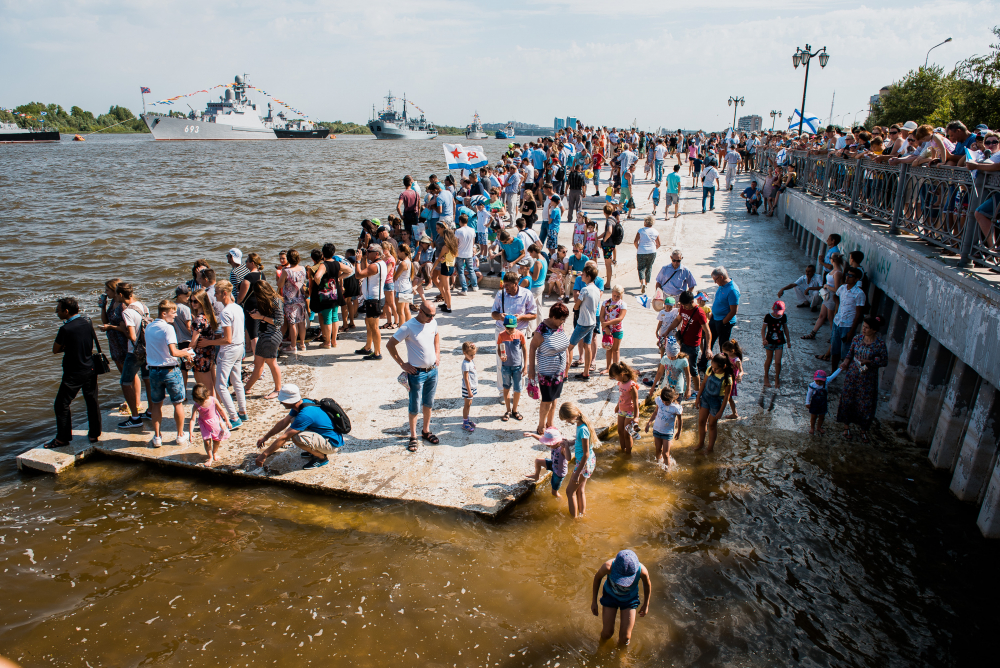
x=943, y=338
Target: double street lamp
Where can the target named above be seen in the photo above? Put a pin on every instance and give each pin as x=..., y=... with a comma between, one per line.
x=802, y=57
x=736, y=102
x=774, y=116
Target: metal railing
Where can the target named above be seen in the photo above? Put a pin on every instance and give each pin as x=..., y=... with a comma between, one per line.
x=937, y=204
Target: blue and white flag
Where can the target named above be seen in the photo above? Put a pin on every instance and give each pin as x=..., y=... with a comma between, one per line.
x=972, y=157
x=809, y=122
x=464, y=157
x=782, y=157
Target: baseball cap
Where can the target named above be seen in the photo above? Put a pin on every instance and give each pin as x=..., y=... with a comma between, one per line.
x=910, y=126
x=778, y=307
x=673, y=347
x=375, y=249
x=702, y=296
x=510, y=321
x=624, y=568
x=182, y=289
x=819, y=375
x=236, y=254
x=554, y=198
x=289, y=394
x=669, y=301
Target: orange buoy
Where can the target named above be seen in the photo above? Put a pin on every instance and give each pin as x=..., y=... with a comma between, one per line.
x=79, y=138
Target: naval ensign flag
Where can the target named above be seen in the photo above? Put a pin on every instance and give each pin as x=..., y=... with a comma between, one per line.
x=464, y=157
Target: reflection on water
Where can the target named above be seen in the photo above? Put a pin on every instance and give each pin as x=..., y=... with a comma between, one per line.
x=776, y=551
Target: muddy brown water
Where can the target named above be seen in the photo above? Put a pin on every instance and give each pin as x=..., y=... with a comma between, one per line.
x=776, y=550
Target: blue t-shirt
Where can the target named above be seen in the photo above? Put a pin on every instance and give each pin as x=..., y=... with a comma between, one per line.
x=673, y=182
x=726, y=296
x=473, y=218
x=512, y=250
x=538, y=159
x=447, y=203
x=829, y=254
x=656, y=193
x=541, y=273
x=749, y=192
x=555, y=218
x=313, y=418
x=578, y=265
x=962, y=145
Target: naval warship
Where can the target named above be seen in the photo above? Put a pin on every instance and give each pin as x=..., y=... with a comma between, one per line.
x=11, y=133
x=234, y=116
x=295, y=129
x=475, y=131
x=390, y=124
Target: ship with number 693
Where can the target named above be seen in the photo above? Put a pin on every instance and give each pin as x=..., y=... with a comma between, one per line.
x=234, y=116
x=390, y=124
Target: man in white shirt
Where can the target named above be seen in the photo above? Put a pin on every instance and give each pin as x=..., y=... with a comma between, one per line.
x=228, y=369
x=466, y=249
x=807, y=289
x=423, y=354
x=708, y=179
x=587, y=302
x=164, y=371
x=659, y=155
x=732, y=162
x=850, y=299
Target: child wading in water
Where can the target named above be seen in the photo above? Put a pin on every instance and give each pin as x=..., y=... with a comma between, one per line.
x=731, y=349
x=470, y=384
x=667, y=427
x=621, y=592
x=558, y=464
x=816, y=400
x=774, y=334
x=712, y=399
x=212, y=422
x=586, y=460
x=628, y=402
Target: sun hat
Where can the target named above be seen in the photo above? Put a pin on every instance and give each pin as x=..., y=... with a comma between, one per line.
x=236, y=254
x=551, y=436
x=424, y=239
x=910, y=126
x=510, y=321
x=819, y=375
x=778, y=307
x=624, y=568
x=289, y=394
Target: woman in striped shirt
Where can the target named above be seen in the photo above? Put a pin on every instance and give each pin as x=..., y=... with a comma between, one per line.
x=548, y=362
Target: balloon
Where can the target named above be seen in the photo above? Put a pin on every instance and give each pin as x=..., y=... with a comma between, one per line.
x=589, y=173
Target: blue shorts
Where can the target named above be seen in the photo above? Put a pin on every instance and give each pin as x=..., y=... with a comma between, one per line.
x=609, y=601
x=165, y=381
x=662, y=436
x=130, y=367
x=581, y=333
x=511, y=375
x=328, y=316
x=773, y=346
x=481, y=238
x=556, y=479
x=423, y=385
x=713, y=402
x=988, y=207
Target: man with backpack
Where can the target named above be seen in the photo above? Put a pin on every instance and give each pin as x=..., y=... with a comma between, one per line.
x=310, y=425
x=135, y=316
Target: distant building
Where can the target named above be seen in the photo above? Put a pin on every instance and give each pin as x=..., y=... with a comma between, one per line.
x=571, y=122
x=558, y=123
x=873, y=100
x=750, y=123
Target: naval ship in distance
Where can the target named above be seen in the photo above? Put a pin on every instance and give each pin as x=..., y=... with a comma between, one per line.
x=234, y=116
x=390, y=124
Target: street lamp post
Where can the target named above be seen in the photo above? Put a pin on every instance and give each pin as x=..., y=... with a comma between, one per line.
x=736, y=102
x=854, y=123
x=931, y=49
x=803, y=56
x=774, y=116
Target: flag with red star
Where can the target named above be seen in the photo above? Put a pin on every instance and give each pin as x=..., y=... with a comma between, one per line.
x=457, y=156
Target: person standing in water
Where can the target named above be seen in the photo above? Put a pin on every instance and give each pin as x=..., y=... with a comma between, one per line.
x=621, y=592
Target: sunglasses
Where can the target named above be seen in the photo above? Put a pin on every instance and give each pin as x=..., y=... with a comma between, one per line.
x=894, y=132
x=991, y=142
x=426, y=314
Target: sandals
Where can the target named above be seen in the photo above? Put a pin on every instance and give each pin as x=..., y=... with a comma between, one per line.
x=809, y=336
x=823, y=358
x=847, y=434
x=273, y=395
x=412, y=444
x=864, y=437
x=430, y=438
x=54, y=444
x=517, y=416
x=505, y=417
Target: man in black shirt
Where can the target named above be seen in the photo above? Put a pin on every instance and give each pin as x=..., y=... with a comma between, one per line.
x=576, y=183
x=75, y=341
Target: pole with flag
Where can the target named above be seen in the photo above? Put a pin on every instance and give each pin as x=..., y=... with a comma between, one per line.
x=144, y=90
x=461, y=157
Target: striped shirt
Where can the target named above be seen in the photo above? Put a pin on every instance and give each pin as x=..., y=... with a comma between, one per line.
x=236, y=276
x=551, y=357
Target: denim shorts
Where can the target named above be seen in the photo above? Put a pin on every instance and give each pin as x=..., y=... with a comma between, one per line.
x=773, y=346
x=662, y=436
x=511, y=375
x=556, y=479
x=713, y=402
x=423, y=385
x=130, y=367
x=582, y=333
x=165, y=381
x=445, y=270
x=328, y=316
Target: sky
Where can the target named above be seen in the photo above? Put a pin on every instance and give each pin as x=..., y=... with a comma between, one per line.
x=657, y=63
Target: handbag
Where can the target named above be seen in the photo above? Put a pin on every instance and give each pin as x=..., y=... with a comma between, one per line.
x=533, y=391
x=101, y=365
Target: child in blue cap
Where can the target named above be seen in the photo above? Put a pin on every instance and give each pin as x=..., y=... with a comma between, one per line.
x=513, y=350
x=621, y=592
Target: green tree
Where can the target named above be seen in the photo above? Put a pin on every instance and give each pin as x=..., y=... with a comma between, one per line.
x=916, y=97
x=977, y=84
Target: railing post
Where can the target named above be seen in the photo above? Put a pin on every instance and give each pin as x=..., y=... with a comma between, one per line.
x=971, y=224
x=856, y=188
x=826, y=179
x=897, y=207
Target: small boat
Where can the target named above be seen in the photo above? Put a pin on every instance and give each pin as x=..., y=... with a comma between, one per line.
x=506, y=133
x=295, y=129
x=79, y=138
x=475, y=130
x=11, y=133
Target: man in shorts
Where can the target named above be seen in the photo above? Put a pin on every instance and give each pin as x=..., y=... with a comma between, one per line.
x=162, y=357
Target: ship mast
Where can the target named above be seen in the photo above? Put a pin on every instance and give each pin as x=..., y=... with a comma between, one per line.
x=404, y=107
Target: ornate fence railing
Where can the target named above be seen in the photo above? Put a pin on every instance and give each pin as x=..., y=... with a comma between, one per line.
x=941, y=205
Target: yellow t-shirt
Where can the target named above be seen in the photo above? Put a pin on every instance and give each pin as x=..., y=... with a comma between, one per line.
x=726, y=382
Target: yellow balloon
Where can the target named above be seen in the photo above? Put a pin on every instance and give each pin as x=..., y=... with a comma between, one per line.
x=589, y=173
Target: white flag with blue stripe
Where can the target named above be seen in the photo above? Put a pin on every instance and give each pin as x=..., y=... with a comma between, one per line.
x=810, y=123
x=464, y=157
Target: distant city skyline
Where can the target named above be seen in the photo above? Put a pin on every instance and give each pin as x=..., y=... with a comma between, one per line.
x=333, y=60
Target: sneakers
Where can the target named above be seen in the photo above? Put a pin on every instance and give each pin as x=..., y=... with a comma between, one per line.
x=468, y=426
x=372, y=358
x=446, y=309
x=363, y=351
x=315, y=463
x=306, y=455
x=474, y=288
x=235, y=424
x=146, y=415
x=461, y=293
x=634, y=430
x=156, y=442
x=183, y=439
x=131, y=423
x=242, y=417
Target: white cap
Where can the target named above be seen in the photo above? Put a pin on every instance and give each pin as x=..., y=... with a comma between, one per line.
x=289, y=394
x=236, y=254
x=909, y=125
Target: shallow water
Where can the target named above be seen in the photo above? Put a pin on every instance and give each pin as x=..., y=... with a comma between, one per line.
x=778, y=550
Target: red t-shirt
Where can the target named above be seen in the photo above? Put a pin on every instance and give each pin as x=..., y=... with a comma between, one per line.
x=598, y=161
x=692, y=320
x=409, y=198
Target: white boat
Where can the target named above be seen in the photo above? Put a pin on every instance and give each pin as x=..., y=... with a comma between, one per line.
x=234, y=116
x=475, y=130
x=390, y=124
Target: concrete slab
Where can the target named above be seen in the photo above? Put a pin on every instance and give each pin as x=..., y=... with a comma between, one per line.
x=485, y=472
x=57, y=460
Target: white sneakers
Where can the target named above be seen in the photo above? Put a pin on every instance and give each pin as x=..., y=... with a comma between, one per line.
x=183, y=439
x=156, y=442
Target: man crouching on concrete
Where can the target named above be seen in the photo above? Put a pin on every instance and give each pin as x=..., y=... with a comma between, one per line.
x=307, y=425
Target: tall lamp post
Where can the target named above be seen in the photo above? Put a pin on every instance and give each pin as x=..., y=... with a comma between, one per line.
x=854, y=123
x=774, y=116
x=802, y=57
x=736, y=102
x=931, y=49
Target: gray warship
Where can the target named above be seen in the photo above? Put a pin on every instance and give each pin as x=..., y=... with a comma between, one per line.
x=390, y=124
x=475, y=130
x=234, y=116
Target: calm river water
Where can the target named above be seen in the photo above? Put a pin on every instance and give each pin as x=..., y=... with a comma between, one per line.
x=777, y=551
